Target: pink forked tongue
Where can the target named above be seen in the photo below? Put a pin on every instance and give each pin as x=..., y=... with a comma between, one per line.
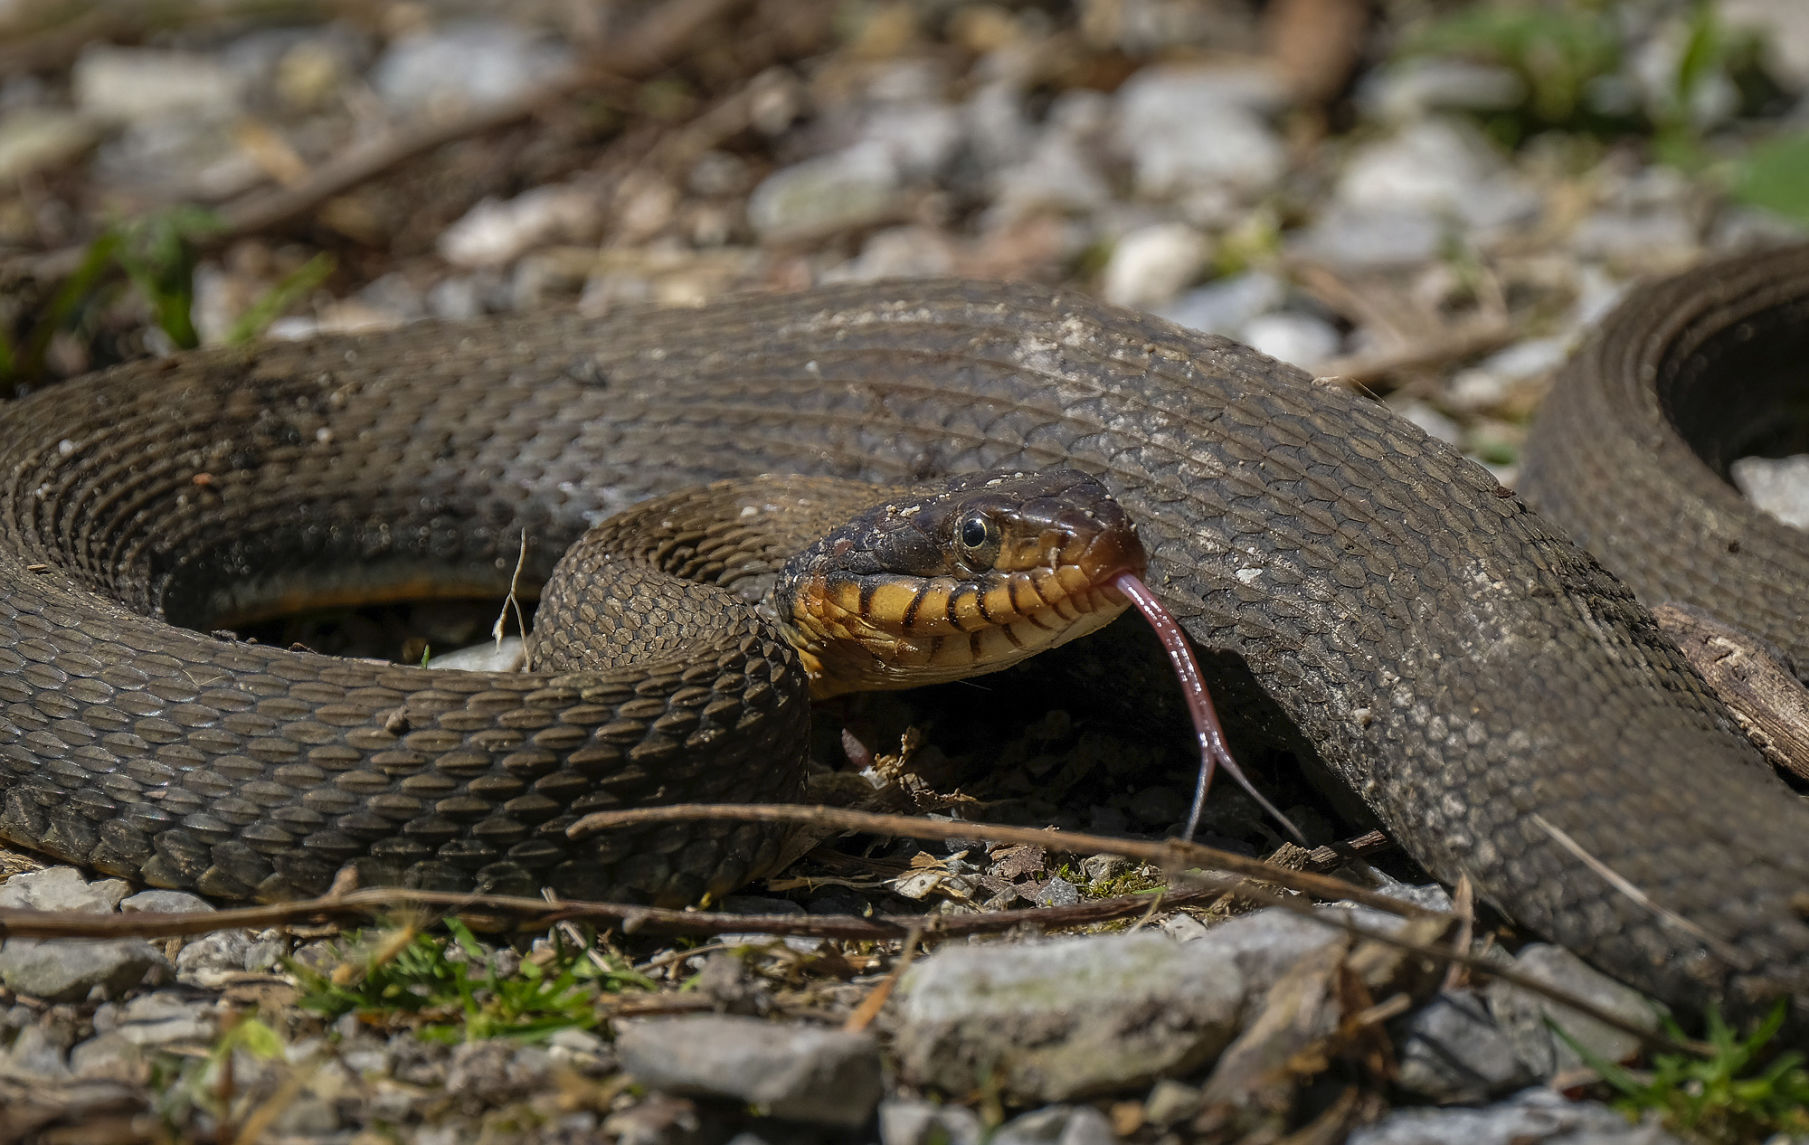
x=1213, y=752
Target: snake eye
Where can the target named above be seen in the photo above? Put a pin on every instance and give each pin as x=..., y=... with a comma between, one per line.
x=977, y=537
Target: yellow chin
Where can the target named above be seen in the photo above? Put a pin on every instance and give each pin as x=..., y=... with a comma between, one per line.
x=950, y=636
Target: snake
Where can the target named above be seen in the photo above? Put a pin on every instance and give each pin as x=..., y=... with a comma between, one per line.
x=1502, y=703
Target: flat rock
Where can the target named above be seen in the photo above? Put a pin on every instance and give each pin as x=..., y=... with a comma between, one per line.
x=1360, y=239
x=800, y=1073
x=847, y=189
x=466, y=64
x=63, y=889
x=1417, y=86
x=165, y=902
x=906, y=1121
x=1051, y=1021
x=1224, y=306
x=1057, y=1125
x=1439, y=167
x=1526, y=1018
x=1185, y=127
x=503, y=655
x=165, y=1017
x=1451, y=1051
x=34, y=1056
x=34, y=138
x=135, y=84
x=1778, y=485
x=69, y=970
x=1298, y=339
x=1151, y=264
x=1531, y=1118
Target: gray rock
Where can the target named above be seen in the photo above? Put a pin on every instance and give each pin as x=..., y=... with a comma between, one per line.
x=1419, y=413
x=1057, y=892
x=1370, y=239
x=166, y=1017
x=1057, y=1125
x=136, y=84
x=848, y=189
x=1151, y=264
x=1099, y=868
x=35, y=138
x=1183, y=127
x=212, y=959
x=1652, y=68
x=997, y=131
x=1414, y=87
x=1526, y=1017
x=1497, y=377
x=1535, y=1117
x=1440, y=167
x=64, y=889
x=1228, y=304
x=1781, y=27
x=800, y=1073
x=469, y=64
x=581, y=1050
x=505, y=655
x=165, y=902
x=69, y=970
x=1451, y=1052
x=309, y=1115
x=35, y=1056
x=1659, y=236
x=110, y=1057
x=898, y=252
x=182, y=157
x=1050, y=1021
x=1183, y=927
x=921, y=137
x=1431, y=896
x=497, y=1071
x=1300, y=339
x=496, y=233
x=1170, y=1101
x=1778, y=485
x=1056, y=175
x=1749, y=228
x=908, y=1122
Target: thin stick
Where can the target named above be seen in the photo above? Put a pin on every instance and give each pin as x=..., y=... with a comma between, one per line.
x=1172, y=854
x=538, y=914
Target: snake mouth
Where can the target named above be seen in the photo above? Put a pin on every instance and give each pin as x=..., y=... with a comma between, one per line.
x=1051, y=565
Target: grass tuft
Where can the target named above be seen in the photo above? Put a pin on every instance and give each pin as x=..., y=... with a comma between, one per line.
x=450, y=986
x=1742, y=1090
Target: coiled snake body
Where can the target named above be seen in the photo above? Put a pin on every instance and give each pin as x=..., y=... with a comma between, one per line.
x=1505, y=707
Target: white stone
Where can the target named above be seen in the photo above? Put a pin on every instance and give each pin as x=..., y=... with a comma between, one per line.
x=1442, y=167
x=1184, y=127
x=1150, y=265
x=1299, y=339
x=135, y=84
x=495, y=233
x=1778, y=485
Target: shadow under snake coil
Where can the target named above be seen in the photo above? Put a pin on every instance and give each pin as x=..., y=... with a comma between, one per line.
x=1503, y=704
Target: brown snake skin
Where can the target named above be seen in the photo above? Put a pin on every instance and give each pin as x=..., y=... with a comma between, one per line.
x=1504, y=706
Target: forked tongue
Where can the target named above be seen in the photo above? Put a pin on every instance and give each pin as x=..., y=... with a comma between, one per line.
x=1213, y=752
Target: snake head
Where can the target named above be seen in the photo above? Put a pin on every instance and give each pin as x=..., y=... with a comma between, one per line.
x=962, y=577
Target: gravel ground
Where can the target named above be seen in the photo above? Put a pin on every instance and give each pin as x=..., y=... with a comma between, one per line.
x=1429, y=200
